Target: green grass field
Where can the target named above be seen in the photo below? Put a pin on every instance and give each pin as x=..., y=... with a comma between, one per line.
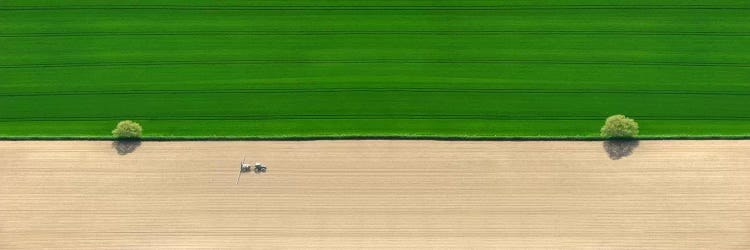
x=452, y=68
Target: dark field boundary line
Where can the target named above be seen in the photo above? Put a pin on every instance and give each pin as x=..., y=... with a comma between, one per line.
x=378, y=90
x=382, y=61
x=373, y=137
x=373, y=8
x=358, y=117
x=375, y=33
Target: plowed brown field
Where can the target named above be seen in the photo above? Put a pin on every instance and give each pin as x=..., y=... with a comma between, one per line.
x=375, y=194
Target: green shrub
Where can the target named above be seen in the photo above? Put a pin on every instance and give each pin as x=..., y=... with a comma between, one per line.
x=128, y=130
x=619, y=126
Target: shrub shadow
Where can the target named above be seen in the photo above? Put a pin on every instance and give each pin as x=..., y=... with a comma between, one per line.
x=617, y=149
x=125, y=147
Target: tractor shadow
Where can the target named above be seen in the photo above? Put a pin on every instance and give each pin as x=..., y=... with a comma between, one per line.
x=125, y=147
x=618, y=149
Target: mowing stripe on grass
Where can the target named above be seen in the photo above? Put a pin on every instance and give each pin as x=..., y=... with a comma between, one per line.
x=382, y=61
x=375, y=90
x=373, y=8
x=376, y=33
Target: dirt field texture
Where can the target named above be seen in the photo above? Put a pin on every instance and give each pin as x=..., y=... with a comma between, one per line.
x=375, y=194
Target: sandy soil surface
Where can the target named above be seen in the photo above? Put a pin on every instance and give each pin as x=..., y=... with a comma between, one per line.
x=376, y=194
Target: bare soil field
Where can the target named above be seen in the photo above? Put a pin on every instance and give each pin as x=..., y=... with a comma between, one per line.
x=375, y=194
